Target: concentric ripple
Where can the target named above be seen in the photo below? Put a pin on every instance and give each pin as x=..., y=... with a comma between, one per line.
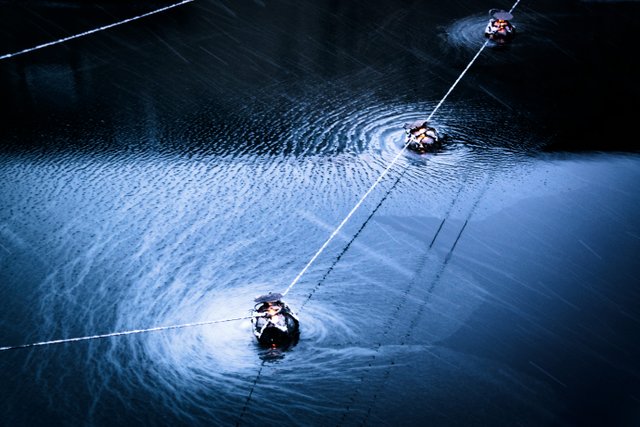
x=166, y=222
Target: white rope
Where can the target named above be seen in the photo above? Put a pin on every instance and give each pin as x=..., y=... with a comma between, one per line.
x=377, y=181
x=95, y=30
x=313, y=258
x=514, y=6
x=116, y=334
x=384, y=172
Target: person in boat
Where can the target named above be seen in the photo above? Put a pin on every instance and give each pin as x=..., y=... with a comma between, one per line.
x=421, y=136
x=499, y=26
x=274, y=322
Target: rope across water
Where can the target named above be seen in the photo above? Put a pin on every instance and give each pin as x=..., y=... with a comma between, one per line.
x=317, y=253
x=385, y=171
x=117, y=334
x=377, y=181
x=95, y=30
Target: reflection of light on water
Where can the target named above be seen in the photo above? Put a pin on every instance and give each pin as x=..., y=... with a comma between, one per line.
x=320, y=324
x=468, y=33
x=225, y=346
x=214, y=352
x=173, y=240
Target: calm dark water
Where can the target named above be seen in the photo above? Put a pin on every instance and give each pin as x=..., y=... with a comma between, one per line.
x=169, y=170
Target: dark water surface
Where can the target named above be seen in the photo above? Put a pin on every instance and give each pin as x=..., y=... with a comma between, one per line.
x=169, y=170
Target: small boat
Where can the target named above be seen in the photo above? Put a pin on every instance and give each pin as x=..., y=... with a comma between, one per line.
x=499, y=29
x=274, y=324
x=422, y=138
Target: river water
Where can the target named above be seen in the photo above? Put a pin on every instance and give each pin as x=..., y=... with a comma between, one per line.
x=169, y=170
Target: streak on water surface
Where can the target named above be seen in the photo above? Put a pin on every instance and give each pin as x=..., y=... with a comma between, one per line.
x=176, y=193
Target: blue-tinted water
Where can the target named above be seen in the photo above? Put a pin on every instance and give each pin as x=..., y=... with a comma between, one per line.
x=169, y=171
